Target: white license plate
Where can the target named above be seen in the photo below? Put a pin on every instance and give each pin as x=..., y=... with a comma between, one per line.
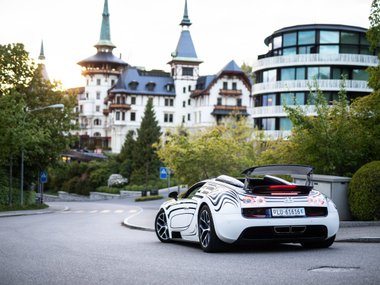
x=288, y=212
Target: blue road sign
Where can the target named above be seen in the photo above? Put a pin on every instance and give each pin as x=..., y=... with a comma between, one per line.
x=163, y=173
x=43, y=176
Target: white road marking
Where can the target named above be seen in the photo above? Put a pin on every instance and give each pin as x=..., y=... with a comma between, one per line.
x=132, y=211
x=118, y=211
x=93, y=211
x=105, y=211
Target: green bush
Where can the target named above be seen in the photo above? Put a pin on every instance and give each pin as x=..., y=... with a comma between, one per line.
x=364, y=192
x=29, y=196
x=106, y=189
x=148, y=198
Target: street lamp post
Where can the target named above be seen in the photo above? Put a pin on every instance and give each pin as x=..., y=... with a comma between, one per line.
x=54, y=106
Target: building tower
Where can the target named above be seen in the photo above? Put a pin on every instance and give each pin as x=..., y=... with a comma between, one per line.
x=184, y=70
x=41, y=63
x=298, y=57
x=101, y=71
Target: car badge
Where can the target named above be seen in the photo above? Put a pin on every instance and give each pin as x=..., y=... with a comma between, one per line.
x=288, y=200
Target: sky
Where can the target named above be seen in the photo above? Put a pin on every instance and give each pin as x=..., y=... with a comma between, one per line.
x=146, y=32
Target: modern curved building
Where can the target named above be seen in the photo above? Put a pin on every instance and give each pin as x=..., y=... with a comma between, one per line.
x=299, y=55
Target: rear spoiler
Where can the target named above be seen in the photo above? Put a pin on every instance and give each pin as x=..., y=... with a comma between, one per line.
x=282, y=190
x=281, y=169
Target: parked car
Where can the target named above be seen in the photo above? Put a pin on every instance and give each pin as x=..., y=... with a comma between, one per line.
x=258, y=208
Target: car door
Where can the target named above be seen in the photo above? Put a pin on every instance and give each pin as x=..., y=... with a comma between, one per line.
x=182, y=214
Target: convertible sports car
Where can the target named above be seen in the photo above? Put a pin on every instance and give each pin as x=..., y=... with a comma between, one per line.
x=259, y=208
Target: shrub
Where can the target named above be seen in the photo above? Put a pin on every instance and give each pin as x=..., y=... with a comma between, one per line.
x=29, y=196
x=364, y=192
x=148, y=198
x=106, y=189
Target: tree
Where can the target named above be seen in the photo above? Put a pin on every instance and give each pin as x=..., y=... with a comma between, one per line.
x=325, y=141
x=248, y=71
x=223, y=149
x=145, y=160
x=126, y=155
x=42, y=135
x=373, y=36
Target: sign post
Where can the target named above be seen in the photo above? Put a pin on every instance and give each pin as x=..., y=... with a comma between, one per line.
x=43, y=180
x=165, y=174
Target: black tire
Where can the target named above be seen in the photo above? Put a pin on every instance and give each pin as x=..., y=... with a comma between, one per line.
x=161, y=227
x=208, y=239
x=319, y=244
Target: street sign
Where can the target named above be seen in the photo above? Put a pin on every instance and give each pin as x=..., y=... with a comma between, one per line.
x=163, y=173
x=43, y=176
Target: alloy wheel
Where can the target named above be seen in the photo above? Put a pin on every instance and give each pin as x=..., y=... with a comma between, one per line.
x=205, y=228
x=162, y=227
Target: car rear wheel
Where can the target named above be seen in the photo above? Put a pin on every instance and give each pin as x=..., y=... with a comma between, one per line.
x=319, y=244
x=161, y=227
x=207, y=237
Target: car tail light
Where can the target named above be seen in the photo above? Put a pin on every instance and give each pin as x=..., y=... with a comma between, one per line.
x=254, y=200
x=318, y=200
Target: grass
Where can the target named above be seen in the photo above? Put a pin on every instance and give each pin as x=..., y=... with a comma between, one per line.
x=148, y=198
x=6, y=208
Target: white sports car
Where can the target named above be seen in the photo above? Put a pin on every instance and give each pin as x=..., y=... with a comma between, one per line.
x=258, y=208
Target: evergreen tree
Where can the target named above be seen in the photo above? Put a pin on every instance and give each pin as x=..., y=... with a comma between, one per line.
x=145, y=160
x=126, y=155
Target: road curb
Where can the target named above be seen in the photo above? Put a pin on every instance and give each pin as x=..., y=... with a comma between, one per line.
x=49, y=210
x=130, y=225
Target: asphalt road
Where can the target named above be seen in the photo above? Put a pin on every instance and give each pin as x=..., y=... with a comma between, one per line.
x=89, y=245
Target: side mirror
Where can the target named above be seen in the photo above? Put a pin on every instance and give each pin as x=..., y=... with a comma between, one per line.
x=173, y=195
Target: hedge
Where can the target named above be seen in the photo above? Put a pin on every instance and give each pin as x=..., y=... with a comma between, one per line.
x=364, y=192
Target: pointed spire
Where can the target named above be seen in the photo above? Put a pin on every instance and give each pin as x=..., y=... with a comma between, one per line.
x=185, y=20
x=105, y=33
x=42, y=55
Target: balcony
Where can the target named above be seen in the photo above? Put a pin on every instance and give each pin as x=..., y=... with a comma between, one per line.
x=90, y=71
x=279, y=111
x=274, y=135
x=230, y=93
x=120, y=106
x=316, y=59
x=307, y=85
x=227, y=109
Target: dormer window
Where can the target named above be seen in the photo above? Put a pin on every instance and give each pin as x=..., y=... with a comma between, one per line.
x=169, y=87
x=150, y=86
x=133, y=85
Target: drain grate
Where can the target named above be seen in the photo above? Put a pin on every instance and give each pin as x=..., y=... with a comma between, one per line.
x=334, y=269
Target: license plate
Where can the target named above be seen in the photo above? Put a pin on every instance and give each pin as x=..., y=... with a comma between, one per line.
x=288, y=212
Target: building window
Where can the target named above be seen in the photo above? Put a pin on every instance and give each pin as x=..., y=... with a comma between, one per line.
x=87, y=82
x=269, y=100
x=97, y=122
x=219, y=101
x=306, y=37
x=81, y=108
x=225, y=85
x=117, y=116
x=189, y=117
x=269, y=124
x=123, y=116
x=98, y=81
x=328, y=37
x=97, y=108
x=270, y=75
x=234, y=86
x=349, y=38
x=184, y=89
x=322, y=72
x=133, y=100
x=168, y=118
x=238, y=102
x=277, y=42
x=289, y=51
x=359, y=74
x=184, y=104
x=183, y=119
x=290, y=39
x=285, y=124
x=112, y=82
x=133, y=116
x=290, y=98
x=187, y=71
x=97, y=95
x=169, y=102
x=189, y=102
x=329, y=49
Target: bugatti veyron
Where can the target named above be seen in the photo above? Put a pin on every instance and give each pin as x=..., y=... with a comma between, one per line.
x=258, y=208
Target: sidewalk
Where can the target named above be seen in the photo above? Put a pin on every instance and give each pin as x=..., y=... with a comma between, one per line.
x=51, y=209
x=349, y=231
